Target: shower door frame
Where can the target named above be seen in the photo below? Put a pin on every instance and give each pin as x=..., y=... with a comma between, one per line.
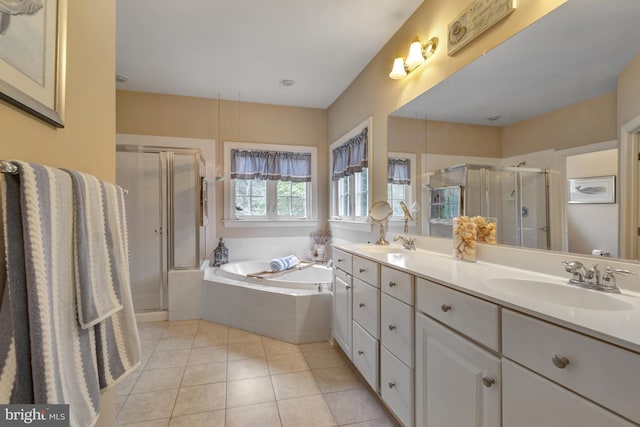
x=167, y=253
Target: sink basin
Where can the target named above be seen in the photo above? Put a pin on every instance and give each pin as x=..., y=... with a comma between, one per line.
x=558, y=294
x=381, y=249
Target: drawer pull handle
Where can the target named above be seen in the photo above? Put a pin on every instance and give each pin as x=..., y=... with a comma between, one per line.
x=340, y=259
x=392, y=327
x=361, y=305
x=360, y=352
x=362, y=270
x=392, y=284
x=488, y=381
x=445, y=307
x=560, y=361
x=391, y=385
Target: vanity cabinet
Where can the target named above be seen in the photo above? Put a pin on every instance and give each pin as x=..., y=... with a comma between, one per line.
x=458, y=381
x=342, y=301
x=530, y=400
x=585, y=366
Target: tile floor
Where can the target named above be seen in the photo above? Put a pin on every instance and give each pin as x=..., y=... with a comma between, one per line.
x=197, y=373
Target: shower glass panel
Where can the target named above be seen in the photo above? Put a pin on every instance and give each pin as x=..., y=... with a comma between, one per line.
x=516, y=198
x=185, y=186
x=141, y=175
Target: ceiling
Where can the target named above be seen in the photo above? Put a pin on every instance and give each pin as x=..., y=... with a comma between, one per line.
x=242, y=49
x=573, y=54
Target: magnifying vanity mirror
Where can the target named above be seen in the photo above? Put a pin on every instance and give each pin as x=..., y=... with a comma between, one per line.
x=379, y=213
x=553, y=97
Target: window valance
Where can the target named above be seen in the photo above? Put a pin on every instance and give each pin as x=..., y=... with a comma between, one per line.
x=271, y=165
x=399, y=171
x=352, y=156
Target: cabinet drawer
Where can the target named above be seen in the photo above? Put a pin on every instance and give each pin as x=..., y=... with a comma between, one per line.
x=396, y=328
x=366, y=306
x=343, y=260
x=397, y=284
x=396, y=386
x=599, y=371
x=530, y=400
x=365, y=355
x=471, y=316
x=342, y=276
x=366, y=270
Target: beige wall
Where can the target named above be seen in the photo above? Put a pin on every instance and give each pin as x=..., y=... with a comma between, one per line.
x=87, y=141
x=187, y=117
x=374, y=94
x=629, y=92
x=584, y=123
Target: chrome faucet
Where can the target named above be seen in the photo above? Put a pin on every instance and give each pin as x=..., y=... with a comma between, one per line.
x=592, y=278
x=407, y=242
x=577, y=269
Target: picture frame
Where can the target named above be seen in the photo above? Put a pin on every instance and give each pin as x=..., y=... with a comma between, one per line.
x=597, y=189
x=33, y=35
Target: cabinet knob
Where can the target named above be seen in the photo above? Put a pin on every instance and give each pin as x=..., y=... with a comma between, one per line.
x=360, y=352
x=347, y=287
x=392, y=327
x=362, y=270
x=445, y=307
x=392, y=284
x=560, y=361
x=391, y=385
x=361, y=305
x=340, y=259
x=488, y=381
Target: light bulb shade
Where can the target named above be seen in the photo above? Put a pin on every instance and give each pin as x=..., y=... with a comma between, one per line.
x=398, y=72
x=415, y=58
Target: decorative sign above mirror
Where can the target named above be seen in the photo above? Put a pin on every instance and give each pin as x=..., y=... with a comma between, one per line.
x=475, y=20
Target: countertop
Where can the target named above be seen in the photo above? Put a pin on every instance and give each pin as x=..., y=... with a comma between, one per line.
x=618, y=327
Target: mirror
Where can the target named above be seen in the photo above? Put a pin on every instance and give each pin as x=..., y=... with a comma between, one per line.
x=379, y=213
x=547, y=98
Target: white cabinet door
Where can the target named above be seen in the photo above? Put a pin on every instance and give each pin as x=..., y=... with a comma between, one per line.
x=457, y=382
x=342, y=311
x=530, y=400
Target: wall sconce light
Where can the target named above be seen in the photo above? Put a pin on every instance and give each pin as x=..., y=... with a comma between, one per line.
x=418, y=54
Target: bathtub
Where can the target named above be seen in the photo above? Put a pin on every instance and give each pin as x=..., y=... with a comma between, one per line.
x=293, y=306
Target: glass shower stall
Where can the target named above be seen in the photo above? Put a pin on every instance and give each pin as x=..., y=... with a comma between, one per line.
x=516, y=198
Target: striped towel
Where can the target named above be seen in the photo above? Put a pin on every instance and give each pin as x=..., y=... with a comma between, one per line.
x=285, y=263
x=98, y=245
x=45, y=354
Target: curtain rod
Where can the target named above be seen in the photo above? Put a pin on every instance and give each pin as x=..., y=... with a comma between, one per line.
x=8, y=167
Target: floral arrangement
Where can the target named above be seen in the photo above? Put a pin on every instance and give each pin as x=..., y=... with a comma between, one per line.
x=486, y=229
x=319, y=239
x=465, y=233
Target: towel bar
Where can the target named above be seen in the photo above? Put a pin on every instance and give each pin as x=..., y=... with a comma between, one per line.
x=8, y=167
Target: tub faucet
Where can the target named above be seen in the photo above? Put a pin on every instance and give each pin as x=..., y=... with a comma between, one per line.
x=407, y=242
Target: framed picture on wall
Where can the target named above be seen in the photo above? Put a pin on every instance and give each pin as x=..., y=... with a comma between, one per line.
x=597, y=189
x=32, y=57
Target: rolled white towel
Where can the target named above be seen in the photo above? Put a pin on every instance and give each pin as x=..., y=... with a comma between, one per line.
x=285, y=263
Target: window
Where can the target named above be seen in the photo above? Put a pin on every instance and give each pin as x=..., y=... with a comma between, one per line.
x=350, y=175
x=400, y=175
x=272, y=184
